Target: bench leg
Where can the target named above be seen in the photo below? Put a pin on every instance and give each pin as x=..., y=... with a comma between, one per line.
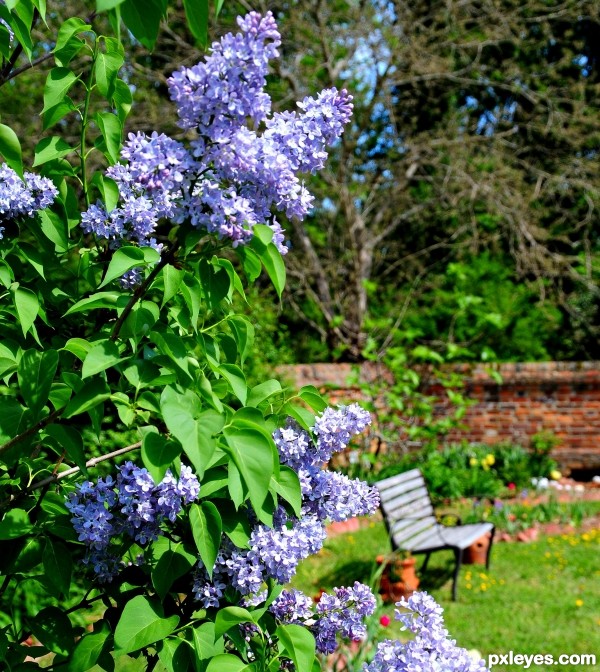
x=458, y=560
x=425, y=561
x=489, y=551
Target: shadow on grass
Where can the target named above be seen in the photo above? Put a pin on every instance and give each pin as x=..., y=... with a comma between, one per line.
x=436, y=575
x=347, y=573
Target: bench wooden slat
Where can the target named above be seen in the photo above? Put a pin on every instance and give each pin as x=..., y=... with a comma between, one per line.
x=399, y=478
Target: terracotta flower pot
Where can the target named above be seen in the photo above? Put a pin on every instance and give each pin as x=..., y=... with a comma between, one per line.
x=398, y=579
x=476, y=553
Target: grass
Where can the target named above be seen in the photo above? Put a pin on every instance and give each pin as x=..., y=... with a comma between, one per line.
x=542, y=597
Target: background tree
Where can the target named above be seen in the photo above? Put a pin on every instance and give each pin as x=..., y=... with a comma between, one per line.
x=474, y=147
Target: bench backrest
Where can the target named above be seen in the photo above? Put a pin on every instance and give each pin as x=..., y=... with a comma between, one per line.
x=406, y=505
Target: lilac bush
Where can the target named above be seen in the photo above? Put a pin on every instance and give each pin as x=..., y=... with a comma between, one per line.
x=190, y=546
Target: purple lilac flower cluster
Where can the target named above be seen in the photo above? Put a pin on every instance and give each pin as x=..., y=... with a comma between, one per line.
x=342, y=612
x=430, y=650
x=133, y=505
x=274, y=553
x=326, y=494
x=20, y=198
x=242, y=165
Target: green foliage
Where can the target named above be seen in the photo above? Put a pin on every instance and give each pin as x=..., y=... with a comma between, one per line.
x=479, y=471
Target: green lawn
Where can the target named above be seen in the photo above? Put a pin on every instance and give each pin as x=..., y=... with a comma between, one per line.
x=542, y=597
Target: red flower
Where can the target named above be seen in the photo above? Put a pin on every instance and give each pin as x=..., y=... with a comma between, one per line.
x=511, y=486
x=385, y=620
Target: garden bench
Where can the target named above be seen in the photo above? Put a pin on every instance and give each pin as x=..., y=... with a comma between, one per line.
x=413, y=526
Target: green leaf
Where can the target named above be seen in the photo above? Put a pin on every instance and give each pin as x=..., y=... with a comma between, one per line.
x=140, y=320
x=102, y=356
x=71, y=441
x=51, y=148
x=143, y=17
x=263, y=391
x=13, y=419
x=229, y=617
x=27, y=306
x=55, y=229
x=287, y=485
x=142, y=623
x=192, y=295
x=94, y=392
x=122, y=99
x=313, y=398
x=126, y=258
x=53, y=628
x=111, y=130
x=78, y=347
x=158, y=454
x=301, y=415
x=57, y=113
x=58, y=83
x=196, y=12
x=174, y=562
x=107, y=67
x=175, y=349
x=175, y=654
x=216, y=284
x=206, y=643
x=89, y=650
x=299, y=644
x=68, y=45
x=235, y=377
x=58, y=566
x=21, y=30
x=269, y=255
x=105, y=5
x=10, y=148
x=254, y=455
x=226, y=662
x=243, y=332
x=193, y=427
x=207, y=529
x=172, y=278
x=15, y=524
x=97, y=300
x=109, y=190
x=40, y=5
x=35, y=374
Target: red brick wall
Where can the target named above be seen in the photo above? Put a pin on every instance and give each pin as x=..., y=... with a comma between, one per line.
x=560, y=397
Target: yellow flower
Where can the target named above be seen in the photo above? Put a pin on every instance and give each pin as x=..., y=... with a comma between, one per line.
x=555, y=475
x=473, y=461
x=468, y=586
x=490, y=459
x=579, y=603
x=483, y=587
